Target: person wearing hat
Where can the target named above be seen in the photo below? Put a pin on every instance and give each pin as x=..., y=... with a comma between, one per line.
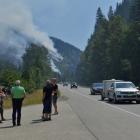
x=18, y=94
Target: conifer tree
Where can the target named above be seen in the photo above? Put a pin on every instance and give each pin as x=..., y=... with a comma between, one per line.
x=110, y=13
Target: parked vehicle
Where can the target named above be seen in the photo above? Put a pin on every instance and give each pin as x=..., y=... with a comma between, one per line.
x=65, y=84
x=74, y=85
x=96, y=88
x=118, y=90
x=106, y=87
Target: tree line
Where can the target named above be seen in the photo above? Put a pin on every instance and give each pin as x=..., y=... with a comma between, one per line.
x=33, y=70
x=114, y=47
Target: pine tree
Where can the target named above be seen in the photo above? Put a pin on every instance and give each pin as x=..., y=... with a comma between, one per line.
x=123, y=9
x=92, y=66
x=135, y=11
x=114, y=47
x=99, y=18
x=36, y=67
x=110, y=13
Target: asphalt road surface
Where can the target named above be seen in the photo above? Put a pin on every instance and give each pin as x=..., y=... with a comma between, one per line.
x=103, y=120
x=81, y=117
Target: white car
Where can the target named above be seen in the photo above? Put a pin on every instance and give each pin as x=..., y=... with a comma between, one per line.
x=122, y=91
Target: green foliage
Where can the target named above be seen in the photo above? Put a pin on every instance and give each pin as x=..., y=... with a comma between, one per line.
x=92, y=63
x=110, y=13
x=135, y=11
x=114, y=47
x=31, y=99
x=123, y=9
x=131, y=51
x=9, y=76
x=36, y=69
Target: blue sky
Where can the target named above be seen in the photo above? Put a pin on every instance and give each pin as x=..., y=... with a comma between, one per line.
x=70, y=20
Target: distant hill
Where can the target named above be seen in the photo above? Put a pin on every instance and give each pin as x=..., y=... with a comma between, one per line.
x=71, y=58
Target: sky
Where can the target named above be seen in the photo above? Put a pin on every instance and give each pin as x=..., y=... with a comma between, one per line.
x=70, y=20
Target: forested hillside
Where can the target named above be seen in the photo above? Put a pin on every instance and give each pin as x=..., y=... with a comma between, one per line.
x=114, y=47
x=32, y=71
x=71, y=58
x=34, y=68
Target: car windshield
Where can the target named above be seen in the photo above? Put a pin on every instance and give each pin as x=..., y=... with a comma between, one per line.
x=98, y=85
x=125, y=85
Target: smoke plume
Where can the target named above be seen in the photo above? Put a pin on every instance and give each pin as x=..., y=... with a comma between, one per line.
x=16, y=27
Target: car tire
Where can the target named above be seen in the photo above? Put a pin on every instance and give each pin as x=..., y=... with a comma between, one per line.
x=138, y=102
x=110, y=100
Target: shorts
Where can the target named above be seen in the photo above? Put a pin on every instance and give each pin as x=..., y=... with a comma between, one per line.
x=1, y=109
x=47, y=106
x=55, y=99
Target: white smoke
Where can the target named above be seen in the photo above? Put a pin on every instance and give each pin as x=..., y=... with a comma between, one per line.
x=16, y=18
x=54, y=67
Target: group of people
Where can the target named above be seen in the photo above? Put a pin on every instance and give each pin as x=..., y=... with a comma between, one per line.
x=50, y=94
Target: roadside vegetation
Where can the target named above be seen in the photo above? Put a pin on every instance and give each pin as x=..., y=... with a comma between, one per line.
x=33, y=70
x=113, y=50
x=31, y=99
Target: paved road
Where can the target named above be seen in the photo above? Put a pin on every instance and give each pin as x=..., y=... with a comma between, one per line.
x=104, y=121
x=82, y=117
x=65, y=126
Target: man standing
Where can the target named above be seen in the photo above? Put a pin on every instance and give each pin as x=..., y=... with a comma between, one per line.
x=47, y=101
x=18, y=95
x=55, y=96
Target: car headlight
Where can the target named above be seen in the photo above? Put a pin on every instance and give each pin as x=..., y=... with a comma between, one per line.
x=138, y=92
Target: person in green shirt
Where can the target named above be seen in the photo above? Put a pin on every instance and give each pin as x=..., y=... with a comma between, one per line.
x=18, y=94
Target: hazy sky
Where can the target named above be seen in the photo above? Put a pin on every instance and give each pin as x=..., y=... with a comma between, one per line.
x=70, y=20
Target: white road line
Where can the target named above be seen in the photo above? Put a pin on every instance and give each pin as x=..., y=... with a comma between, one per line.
x=115, y=107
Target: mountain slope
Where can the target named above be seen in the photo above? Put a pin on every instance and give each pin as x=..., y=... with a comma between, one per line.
x=64, y=62
x=71, y=58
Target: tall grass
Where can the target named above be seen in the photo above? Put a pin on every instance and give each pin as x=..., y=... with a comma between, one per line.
x=31, y=99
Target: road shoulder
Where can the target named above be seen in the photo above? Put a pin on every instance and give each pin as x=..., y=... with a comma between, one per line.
x=65, y=126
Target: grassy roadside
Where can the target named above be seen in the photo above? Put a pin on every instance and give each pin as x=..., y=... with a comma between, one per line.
x=31, y=99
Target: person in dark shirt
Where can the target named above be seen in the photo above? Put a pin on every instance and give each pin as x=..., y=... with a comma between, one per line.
x=47, y=101
x=55, y=96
